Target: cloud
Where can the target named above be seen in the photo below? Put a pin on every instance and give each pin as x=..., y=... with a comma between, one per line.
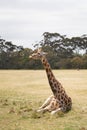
x=26, y=20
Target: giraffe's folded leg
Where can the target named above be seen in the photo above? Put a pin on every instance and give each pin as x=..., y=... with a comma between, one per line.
x=55, y=111
x=44, y=109
x=47, y=108
x=47, y=102
x=40, y=110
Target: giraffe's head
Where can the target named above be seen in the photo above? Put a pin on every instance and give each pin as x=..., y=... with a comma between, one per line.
x=38, y=54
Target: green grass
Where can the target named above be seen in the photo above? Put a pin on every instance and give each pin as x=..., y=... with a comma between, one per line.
x=23, y=91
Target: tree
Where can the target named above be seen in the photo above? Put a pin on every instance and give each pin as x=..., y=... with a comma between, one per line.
x=77, y=62
x=63, y=53
x=65, y=49
x=59, y=43
x=7, y=54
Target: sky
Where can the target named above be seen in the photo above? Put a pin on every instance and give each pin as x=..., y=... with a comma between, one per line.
x=24, y=21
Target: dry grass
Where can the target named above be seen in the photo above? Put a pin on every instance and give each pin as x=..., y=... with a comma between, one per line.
x=23, y=91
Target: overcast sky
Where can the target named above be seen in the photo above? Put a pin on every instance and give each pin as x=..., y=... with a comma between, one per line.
x=24, y=21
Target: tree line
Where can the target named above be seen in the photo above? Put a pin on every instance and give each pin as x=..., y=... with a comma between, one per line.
x=63, y=53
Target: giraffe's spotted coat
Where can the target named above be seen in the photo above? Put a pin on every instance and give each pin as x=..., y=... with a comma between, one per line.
x=60, y=100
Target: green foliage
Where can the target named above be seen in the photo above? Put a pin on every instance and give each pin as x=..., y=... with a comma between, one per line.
x=63, y=53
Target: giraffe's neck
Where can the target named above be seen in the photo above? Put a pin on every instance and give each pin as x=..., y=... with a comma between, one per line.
x=51, y=78
x=47, y=68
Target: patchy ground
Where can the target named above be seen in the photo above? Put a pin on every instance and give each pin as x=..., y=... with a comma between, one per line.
x=23, y=91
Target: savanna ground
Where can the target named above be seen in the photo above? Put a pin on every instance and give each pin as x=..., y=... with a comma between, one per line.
x=23, y=91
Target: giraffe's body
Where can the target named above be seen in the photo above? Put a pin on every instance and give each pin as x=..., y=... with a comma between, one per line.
x=60, y=100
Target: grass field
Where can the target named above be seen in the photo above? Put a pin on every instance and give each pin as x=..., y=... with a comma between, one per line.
x=23, y=91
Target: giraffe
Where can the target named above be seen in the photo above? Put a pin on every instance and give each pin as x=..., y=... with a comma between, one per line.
x=59, y=101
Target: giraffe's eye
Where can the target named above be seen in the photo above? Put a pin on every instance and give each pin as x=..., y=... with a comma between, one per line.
x=38, y=53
